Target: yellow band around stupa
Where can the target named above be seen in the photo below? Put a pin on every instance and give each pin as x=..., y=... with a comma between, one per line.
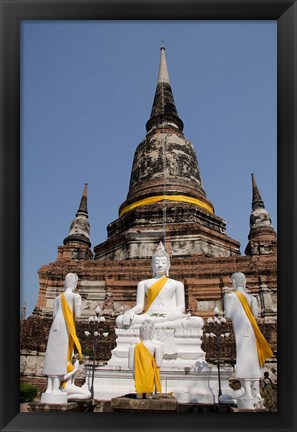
x=179, y=198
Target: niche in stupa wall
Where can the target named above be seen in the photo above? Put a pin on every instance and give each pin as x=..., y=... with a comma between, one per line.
x=208, y=305
x=50, y=304
x=197, y=246
x=93, y=295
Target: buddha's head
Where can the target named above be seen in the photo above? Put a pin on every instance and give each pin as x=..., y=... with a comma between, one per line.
x=71, y=281
x=160, y=261
x=238, y=280
x=146, y=330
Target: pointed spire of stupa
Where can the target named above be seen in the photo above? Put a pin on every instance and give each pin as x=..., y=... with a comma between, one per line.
x=166, y=199
x=23, y=315
x=80, y=227
x=257, y=201
x=262, y=237
x=163, y=70
x=165, y=165
x=83, y=207
x=164, y=110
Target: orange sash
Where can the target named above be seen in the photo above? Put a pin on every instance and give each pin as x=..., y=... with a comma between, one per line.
x=264, y=350
x=69, y=318
x=147, y=374
x=154, y=290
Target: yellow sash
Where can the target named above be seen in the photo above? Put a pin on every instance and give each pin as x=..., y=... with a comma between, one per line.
x=264, y=350
x=147, y=374
x=154, y=290
x=69, y=318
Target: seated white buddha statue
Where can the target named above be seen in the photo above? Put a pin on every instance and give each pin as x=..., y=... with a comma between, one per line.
x=160, y=299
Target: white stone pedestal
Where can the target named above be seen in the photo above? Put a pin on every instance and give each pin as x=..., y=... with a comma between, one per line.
x=250, y=403
x=182, y=348
x=54, y=398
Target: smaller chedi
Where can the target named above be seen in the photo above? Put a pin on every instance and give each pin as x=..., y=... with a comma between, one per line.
x=61, y=341
x=252, y=348
x=145, y=359
x=161, y=299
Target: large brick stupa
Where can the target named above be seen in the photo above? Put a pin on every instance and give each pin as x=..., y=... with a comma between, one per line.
x=166, y=201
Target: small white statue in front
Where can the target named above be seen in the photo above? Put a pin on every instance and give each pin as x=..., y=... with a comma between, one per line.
x=61, y=341
x=161, y=299
x=73, y=391
x=145, y=359
x=251, y=347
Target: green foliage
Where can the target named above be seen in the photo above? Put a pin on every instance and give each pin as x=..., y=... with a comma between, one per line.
x=87, y=351
x=269, y=394
x=270, y=398
x=28, y=392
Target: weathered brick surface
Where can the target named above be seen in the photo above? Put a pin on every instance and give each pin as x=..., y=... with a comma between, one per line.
x=35, y=331
x=203, y=278
x=227, y=346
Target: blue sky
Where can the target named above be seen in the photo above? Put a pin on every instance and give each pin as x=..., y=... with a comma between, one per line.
x=87, y=89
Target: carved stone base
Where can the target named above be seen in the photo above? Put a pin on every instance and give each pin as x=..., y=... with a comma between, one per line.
x=156, y=403
x=189, y=231
x=75, y=406
x=182, y=348
x=188, y=385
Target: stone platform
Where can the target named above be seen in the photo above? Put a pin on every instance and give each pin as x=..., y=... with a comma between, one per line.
x=158, y=402
x=184, y=371
x=127, y=404
x=186, y=384
x=75, y=406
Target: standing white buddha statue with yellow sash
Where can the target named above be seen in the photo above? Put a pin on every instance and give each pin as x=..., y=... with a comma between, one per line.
x=161, y=299
x=252, y=348
x=62, y=340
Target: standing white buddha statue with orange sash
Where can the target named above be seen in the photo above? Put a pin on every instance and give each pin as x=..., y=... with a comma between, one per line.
x=161, y=299
x=252, y=348
x=62, y=340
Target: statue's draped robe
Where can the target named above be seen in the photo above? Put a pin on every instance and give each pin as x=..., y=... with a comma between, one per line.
x=263, y=349
x=247, y=358
x=62, y=338
x=147, y=374
x=154, y=290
